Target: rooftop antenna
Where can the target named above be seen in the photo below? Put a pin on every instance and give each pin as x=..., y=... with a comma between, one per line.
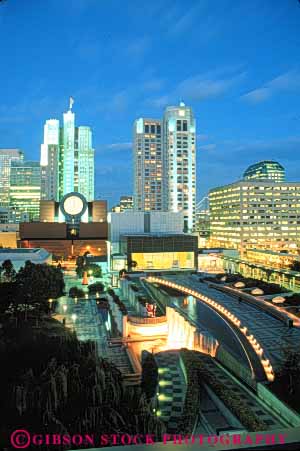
x=71, y=103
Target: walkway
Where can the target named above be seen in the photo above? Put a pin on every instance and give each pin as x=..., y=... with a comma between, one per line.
x=172, y=389
x=256, y=406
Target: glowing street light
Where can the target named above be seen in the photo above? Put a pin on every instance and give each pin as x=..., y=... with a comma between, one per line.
x=65, y=307
x=74, y=317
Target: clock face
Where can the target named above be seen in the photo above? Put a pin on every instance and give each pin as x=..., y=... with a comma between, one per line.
x=73, y=205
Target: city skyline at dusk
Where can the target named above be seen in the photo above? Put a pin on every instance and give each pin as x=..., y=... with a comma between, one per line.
x=237, y=66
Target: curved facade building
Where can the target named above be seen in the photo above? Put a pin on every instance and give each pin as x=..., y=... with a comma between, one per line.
x=265, y=170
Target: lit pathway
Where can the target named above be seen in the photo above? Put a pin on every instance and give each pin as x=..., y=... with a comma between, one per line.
x=172, y=389
x=83, y=317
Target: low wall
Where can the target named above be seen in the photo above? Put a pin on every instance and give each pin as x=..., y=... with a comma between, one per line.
x=289, y=415
x=147, y=330
x=233, y=365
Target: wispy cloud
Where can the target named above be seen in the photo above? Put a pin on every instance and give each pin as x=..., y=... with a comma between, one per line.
x=202, y=137
x=119, y=146
x=289, y=81
x=208, y=147
x=184, y=21
x=202, y=86
x=154, y=84
x=138, y=47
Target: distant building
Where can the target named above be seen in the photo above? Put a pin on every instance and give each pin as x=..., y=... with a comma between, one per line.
x=265, y=170
x=149, y=190
x=255, y=214
x=139, y=222
x=25, y=191
x=6, y=158
x=67, y=159
x=126, y=203
x=4, y=215
x=18, y=257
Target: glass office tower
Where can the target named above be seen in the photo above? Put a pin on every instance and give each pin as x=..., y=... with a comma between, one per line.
x=25, y=191
x=7, y=156
x=67, y=159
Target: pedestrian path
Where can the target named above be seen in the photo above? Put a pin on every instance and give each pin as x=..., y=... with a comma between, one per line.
x=117, y=354
x=172, y=389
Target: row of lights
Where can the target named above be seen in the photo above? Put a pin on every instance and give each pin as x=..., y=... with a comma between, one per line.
x=232, y=318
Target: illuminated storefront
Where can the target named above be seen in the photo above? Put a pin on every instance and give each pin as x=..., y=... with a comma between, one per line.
x=160, y=251
x=163, y=260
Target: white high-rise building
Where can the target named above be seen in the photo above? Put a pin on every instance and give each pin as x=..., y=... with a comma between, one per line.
x=165, y=163
x=50, y=160
x=179, y=142
x=149, y=191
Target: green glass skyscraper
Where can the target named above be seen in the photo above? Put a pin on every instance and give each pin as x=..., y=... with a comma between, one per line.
x=67, y=159
x=25, y=190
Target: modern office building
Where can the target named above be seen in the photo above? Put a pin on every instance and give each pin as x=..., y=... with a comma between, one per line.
x=67, y=159
x=50, y=160
x=179, y=143
x=255, y=214
x=265, y=170
x=25, y=191
x=126, y=203
x=149, y=189
x=139, y=222
x=6, y=158
x=165, y=163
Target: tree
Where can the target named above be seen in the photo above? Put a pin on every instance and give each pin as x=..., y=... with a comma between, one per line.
x=7, y=292
x=80, y=263
x=132, y=264
x=295, y=266
x=8, y=270
x=96, y=288
x=95, y=269
x=76, y=292
x=35, y=284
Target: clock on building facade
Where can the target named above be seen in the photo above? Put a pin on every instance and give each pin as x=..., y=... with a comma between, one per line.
x=73, y=206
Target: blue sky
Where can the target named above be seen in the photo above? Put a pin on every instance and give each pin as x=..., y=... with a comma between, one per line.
x=235, y=62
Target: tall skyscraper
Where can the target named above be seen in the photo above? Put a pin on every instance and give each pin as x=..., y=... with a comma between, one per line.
x=6, y=158
x=67, y=159
x=165, y=163
x=50, y=160
x=25, y=191
x=179, y=130
x=148, y=165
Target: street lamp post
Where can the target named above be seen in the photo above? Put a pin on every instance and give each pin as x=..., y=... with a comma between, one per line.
x=74, y=317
